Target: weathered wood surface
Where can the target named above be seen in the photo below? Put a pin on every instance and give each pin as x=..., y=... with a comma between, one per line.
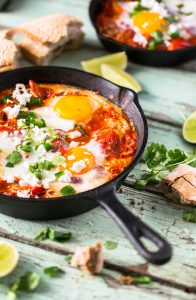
x=166, y=93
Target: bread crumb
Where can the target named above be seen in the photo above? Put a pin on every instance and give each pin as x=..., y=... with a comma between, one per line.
x=89, y=259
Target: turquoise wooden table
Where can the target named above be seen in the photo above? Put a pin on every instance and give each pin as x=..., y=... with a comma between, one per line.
x=166, y=93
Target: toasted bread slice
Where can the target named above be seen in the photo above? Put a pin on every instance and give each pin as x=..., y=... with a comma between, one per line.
x=49, y=36
x=9, y=55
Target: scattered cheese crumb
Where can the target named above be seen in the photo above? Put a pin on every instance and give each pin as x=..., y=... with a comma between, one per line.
x=74, y=134
x=73, y=144
x=78, y=166
x=12, y=112
x=24, y=194
x=21, y=94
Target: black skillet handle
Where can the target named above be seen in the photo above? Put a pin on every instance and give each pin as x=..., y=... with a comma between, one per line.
x=135, y=229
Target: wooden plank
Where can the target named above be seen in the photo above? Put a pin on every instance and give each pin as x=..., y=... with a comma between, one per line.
x=96, y=225
x=77, y=285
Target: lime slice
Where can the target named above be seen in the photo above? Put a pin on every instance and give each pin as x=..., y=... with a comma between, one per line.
x=120, y=77
x=8, y=258
x=93, y=65
x=189, y=128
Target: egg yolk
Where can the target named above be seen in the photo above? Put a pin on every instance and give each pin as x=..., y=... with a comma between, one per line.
x=148, y=22
x=77, y=154
x=74, y=107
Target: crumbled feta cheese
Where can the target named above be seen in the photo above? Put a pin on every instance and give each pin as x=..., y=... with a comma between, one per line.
x=48, y=180
x=9, y=178
x=147, y=3
x=71, y=157
x=74, y=134
x=24, y=194
x=21, y=94
x=29, y=179
x=41, y=150
x=39, y=134
x=140, y=39
x=65, y=178
x=78, y=166
x=73, y=144
x=12, y=112
x=16, y=141
x=5, y=134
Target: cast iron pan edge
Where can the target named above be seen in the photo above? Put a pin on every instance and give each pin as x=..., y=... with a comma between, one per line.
x=105, y=195
x=138, y=55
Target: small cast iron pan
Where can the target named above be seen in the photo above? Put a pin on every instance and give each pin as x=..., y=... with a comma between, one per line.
x=105, y=195
x=138, y=55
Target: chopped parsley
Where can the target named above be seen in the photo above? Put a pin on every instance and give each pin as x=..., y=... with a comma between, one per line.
x=138, y=8
x=31, y=118
x=35, y=101
x=189, y=215
x=110, y=245
x=53, y=271
x=160, y=161
x=13, y=159
x=67, y=190
x=5, y=99
x=59, y=174
x=156, y=39
x=81, y=129
x=51, y=234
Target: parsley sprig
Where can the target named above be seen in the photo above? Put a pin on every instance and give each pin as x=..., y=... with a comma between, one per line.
x=51, y=234
x=160, y=161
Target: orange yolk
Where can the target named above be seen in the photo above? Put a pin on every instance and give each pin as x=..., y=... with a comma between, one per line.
x=148, y=22
x=74, y=107
x=77, y=154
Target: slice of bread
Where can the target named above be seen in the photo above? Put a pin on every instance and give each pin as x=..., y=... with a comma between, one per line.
x=49, y=36
x=9, y=54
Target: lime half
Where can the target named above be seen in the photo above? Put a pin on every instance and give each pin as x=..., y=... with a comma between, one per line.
x=8, y=258
x=120, y=77
x=94, y=65
x=189, y=128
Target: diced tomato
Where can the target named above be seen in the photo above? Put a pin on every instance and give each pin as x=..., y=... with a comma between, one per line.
x=41, y=92
x=110, y=143
x=63, y=151
x=37, y=191
x=178, y=43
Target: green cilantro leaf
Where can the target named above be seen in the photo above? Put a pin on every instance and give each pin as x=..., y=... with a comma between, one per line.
x=110, y=245
x=53, y=271
x=67, y=190
x=13, y=158
x=189, y=216
x=51, y=234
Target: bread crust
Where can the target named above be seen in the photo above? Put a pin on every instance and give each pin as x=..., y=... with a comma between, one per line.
x=9, y=54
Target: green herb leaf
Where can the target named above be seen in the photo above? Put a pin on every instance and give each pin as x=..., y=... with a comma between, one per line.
x=189, y=216
x=47, y=146
x=49, y=233
x=53, y=271
x=158, y=37
x=35, y=101
x=67, y=190
x=39, y=123
x=137, y=9
x=47, y=165
x=152, y=45
x=26, y=148
x=13, y=158
x=110, y=245
x=160, y=161
x=27, y=115
x=81, y=129
x=26, y=283
x=5, y=98
x=141, y=280
x=59, y=174
x=68, y=258
x=174, y=35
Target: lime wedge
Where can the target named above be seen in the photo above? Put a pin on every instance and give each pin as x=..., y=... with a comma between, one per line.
x=120, y=77
x=8, y=258
x=93, y=65
x=189, y=128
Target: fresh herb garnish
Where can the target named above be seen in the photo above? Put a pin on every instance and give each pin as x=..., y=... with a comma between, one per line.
x=59, y=174
x=138, y=9
x=189, y=216
x=172, y=19
x=5, y=99
x=156, y=39
x=160, y=161
x=67, y=190
x=81, y=129
x=180, y=10
x=35, y=101
x=174, y=35
x=36, y=169
x=49, y=233
x=53, y=271
x=141, y=280
x=31, y=118
x=47, y=146
x=47, y=165
x=26, y=148
x=110, y=245
x=68, y=258
x=13, y=159
x=26, y=283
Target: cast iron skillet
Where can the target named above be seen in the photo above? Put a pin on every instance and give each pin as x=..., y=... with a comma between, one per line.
x=138, y=55
x=105, y=195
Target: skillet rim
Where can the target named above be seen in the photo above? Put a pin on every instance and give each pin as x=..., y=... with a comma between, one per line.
x=115, y=180
x=126, y=47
